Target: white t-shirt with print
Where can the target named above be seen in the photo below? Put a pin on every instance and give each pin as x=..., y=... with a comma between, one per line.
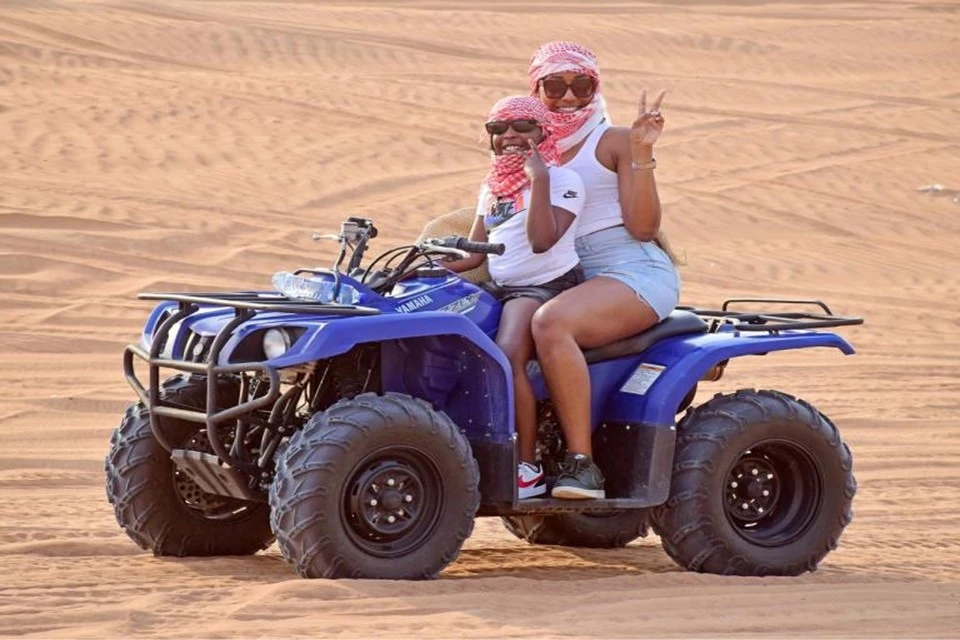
x=506, y=222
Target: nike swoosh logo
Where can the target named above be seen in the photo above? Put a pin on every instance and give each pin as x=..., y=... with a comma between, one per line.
x=524, y=484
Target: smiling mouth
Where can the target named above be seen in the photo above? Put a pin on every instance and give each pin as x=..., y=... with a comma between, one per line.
x=567, y=109
x=512, y=148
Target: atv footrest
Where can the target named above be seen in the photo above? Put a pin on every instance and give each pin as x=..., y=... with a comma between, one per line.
x=212, y=476
x=550, y=505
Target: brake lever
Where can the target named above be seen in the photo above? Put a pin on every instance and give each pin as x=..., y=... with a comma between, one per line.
x=317, y=237
x=458, y=253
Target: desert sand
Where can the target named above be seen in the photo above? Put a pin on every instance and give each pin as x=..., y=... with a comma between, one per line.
x=175, y=144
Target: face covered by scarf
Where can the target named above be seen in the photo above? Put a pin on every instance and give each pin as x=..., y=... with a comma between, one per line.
x=507, y=177
x=569, y=57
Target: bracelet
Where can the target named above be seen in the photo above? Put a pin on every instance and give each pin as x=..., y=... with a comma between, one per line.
x=649, y=164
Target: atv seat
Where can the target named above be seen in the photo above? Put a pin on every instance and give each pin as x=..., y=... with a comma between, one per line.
x=676, y=324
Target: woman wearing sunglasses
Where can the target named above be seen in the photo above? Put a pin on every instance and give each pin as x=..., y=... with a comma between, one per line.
x=531, y=207
x=631, y=280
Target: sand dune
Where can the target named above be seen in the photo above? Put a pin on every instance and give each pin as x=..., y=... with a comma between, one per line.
x=162, y=145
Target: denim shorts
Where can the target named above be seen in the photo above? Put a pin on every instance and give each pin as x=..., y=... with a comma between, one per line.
x=642, y=266
x=542, y=292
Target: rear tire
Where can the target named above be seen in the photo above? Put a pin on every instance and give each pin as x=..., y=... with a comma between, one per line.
x=762, y=485
x=378, y=487
x=157, y=505
x=592, y=530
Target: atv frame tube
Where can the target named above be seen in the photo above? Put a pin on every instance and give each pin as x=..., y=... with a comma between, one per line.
x=212, y=418
x=246, y=306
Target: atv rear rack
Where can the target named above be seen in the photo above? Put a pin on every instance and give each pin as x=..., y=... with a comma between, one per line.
x=772, y=321
x=246, y=305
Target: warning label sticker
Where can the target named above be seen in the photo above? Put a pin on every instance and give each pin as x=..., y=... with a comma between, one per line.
x=642, y=379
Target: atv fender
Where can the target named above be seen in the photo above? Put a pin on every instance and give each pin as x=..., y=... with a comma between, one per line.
x=652, y=393
x=441, y=357
x=445, y=359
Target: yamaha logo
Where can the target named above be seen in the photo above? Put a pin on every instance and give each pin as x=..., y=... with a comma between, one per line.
x=413, y=305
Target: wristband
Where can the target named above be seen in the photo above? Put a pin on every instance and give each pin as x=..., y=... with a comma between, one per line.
x=649, y=164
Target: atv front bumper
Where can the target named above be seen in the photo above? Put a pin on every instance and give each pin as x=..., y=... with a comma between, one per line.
x=212, y=417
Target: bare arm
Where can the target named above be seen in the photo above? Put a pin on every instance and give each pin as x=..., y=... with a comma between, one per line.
x=639, y=199
x=546, y=223
x=541, y=225
x=478, y=233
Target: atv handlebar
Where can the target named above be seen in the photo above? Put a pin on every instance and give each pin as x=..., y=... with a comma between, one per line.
x=496, y=248
x=356, y=232
x=464, y=244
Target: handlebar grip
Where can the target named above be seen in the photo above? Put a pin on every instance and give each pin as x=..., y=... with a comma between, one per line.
x=480, y=247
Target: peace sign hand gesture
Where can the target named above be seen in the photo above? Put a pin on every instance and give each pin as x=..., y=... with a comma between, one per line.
x=534, y=165
x=648, y=125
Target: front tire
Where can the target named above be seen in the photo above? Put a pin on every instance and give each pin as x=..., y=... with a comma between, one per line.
x=375, y=487
x=159, y=506
x=762, y=485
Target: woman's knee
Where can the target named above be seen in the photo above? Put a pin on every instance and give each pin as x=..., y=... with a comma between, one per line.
x=551, y=323
x=517, y=353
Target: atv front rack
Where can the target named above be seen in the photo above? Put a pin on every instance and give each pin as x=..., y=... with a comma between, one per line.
x=772, y=321
x=261, y=302
x=246, y=306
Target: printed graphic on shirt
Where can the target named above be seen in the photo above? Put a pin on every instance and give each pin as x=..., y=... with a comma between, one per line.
x=519, y=265
x=501, y=211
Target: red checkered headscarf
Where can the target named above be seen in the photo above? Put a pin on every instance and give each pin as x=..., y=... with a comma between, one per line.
x=507, y=177
x=566, y=57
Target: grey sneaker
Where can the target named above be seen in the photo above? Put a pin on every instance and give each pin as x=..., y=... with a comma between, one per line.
x=580, y=479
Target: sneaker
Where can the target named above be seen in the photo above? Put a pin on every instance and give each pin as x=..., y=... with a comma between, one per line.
x=580, y=479
x=530, y=481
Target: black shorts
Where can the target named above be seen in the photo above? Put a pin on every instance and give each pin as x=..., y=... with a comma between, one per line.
x=542, y=292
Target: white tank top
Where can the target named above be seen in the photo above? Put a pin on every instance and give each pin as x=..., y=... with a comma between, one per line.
x=601, y=209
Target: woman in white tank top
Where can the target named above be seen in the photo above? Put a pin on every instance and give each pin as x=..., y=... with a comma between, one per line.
x=631, y=281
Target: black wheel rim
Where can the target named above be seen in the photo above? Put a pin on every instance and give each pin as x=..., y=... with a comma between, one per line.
x=772, y=492
x=197, y=502
x=392, y=501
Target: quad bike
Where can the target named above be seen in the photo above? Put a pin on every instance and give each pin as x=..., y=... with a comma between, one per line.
x=363, y=418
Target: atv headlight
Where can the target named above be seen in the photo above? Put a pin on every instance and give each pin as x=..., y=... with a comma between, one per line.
x=276, y=342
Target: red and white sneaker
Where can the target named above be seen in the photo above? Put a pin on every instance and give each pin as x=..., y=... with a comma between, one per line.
x=530, y=481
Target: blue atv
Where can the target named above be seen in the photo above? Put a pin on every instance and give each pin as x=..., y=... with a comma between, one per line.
x=362, y=417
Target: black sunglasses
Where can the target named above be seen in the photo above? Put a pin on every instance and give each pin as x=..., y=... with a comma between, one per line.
x=555, y=87
x=499, y=127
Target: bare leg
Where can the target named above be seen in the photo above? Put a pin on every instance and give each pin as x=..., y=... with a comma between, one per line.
x=516, y=340
x=568, y=323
